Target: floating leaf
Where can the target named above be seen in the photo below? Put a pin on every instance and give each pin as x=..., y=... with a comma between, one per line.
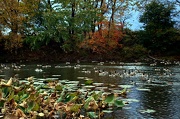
x=107, y=111
x=58, y=88
x=109, y=98
x=87, y=101
x=24, y=96
x=30, y=106
x=16, y=98
x=125, y=86
x=11, y=96
x=92, y=115
x=2, y=103
x=89, y=82
x=96, y=95
x=22, y=108
x=118, y=103
x=81, y=77
x=147, y=111
x=71, y=97
x=6, y=91
x=45, y=87
x=41, y=114
x=75, y=107
x=143, y=89
x=8, y=84
x=89, y=86
x=131, y=100
x=19, y=113
x=1, y=94
x=61, y=95
x=36, y=107
x=98, y=84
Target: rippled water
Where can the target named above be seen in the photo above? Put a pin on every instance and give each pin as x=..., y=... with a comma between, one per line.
x=154, y=89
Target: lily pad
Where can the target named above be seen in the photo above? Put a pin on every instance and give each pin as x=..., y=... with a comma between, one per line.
x=130, y=100
x=147, y=111
x=107, y=111
x=110, y=98
x=63, y=81
x=101, y=88
x=71, y=82
x=38, y=83
x=52, y=78
x=119, y=103
x=88, y=82
x=81, y=77
x=143, y=89
x=41, y=114
x=56, y=75
x=125, y=86
x=30, y=106
x=92, y=115
x=89, y=87
x=2, y=103
x=58, y=87
x=98, y=84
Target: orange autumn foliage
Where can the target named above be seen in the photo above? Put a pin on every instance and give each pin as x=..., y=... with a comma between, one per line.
x=105, y=40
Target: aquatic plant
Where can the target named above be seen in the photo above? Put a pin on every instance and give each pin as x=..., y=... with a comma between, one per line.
x=51, y=99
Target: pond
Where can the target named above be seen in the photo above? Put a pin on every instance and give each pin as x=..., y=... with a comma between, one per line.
x=153, y=89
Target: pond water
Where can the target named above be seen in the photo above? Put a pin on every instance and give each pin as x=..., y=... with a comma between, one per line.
x=154, y=89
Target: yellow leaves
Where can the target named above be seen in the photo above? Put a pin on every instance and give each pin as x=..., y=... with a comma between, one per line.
x=10, y=116
x=8, y=84
x=14, y=15
x=30, y=78
x=1, y=95
x=19, y=113
x=93, y=105
x=41, y=114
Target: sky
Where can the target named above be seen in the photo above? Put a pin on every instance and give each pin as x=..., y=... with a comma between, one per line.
x=134, y=21
x=136, y=25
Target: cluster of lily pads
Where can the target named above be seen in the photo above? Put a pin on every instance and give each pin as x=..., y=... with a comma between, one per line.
x=53, y=99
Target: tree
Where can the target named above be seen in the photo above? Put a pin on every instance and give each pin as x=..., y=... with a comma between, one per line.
x=104, y=41
x=158, y=26
x=13, y=15
x=65, y=22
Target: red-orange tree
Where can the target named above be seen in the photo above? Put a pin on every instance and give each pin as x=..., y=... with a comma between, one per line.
x=105, y=40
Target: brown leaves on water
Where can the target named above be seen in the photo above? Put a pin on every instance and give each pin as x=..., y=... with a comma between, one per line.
x=25, y=100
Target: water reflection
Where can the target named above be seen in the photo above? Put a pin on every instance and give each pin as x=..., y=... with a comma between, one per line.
x=159, y=84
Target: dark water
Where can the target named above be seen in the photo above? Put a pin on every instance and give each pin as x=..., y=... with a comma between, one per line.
x=154, y=88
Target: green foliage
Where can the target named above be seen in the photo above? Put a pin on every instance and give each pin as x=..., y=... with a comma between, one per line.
x=89, y=82
x=158, y=29
x=157, y=16
x=110, y=98
x=135, y=52
x=65, y=23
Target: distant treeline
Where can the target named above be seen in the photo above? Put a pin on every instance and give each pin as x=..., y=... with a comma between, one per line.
x=88, y=27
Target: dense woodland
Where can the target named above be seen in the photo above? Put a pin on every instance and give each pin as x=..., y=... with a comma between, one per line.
x=54, y=30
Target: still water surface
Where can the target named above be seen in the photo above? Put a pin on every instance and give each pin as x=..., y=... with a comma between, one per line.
x=154, y=88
